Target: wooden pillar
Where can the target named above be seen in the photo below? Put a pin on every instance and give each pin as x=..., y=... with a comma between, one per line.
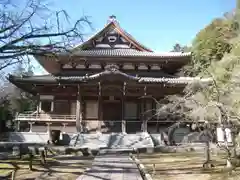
x=18, y=126
x=99, y=108
x=52, y=105
x=64, y=127
x=144, y=120
x=79, y=111
x=123, y=109
x=38, y=104
x=48, y=127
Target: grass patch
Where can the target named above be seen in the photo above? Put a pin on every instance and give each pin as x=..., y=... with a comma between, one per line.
x=5, y=169
x=187, y=166
x=57, y=167
x=4, y=172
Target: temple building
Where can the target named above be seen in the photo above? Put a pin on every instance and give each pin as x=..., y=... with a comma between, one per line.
x=109, y=83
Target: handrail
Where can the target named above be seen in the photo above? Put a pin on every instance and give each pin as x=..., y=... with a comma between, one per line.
x=45, y=117
x=72, y=118
x=49, y=115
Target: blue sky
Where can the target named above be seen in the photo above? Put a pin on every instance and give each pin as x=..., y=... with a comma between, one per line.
x=158, y=24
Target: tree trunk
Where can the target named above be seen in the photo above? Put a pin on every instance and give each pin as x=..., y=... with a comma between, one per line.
x=207, y=164
x=234, y=151
x=207, y=152
x=31, y=161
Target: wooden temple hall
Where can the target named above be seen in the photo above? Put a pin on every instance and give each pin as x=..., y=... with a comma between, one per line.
x=109, y=83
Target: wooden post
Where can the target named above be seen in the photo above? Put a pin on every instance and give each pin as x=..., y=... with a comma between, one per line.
x=99, y=107
x=46, y=152
x=42, y=156
x=49, y=133
x=38, y=104
x=64, y=127
x=144, y=120
x=18, y=126
x=30, y=160
x=52, y=105
x=123, y=126
x=20, y=151
x=79, y=111
x=31, y=124
x=123, y=109
x=48, y=127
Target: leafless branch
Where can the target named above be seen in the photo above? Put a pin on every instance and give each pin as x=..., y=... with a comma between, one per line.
x=27, y=31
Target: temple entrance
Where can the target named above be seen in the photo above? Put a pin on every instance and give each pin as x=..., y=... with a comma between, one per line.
x=112, y=115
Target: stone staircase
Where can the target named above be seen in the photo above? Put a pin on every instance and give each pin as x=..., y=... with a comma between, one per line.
x=93, y=141
x=29, y=137
x=112, y=141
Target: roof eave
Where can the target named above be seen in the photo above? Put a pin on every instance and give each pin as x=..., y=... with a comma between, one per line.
x=187, y=57
x=11, y=79
x=44, y=60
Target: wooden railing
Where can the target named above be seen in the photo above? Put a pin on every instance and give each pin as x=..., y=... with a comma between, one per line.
x=32, y=116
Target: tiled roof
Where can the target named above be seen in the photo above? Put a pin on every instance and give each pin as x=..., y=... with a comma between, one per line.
x=37, y=78
x=128, y=53
x=110, y=73
x=176, y=80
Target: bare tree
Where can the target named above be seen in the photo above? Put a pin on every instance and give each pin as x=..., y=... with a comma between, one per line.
x=206, y=107
x=33, y=28
x=28, y=28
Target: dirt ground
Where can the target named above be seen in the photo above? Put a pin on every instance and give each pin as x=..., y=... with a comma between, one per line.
x=188, y=166
x=64, y=167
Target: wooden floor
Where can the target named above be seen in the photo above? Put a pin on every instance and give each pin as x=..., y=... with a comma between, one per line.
x=112, y=167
